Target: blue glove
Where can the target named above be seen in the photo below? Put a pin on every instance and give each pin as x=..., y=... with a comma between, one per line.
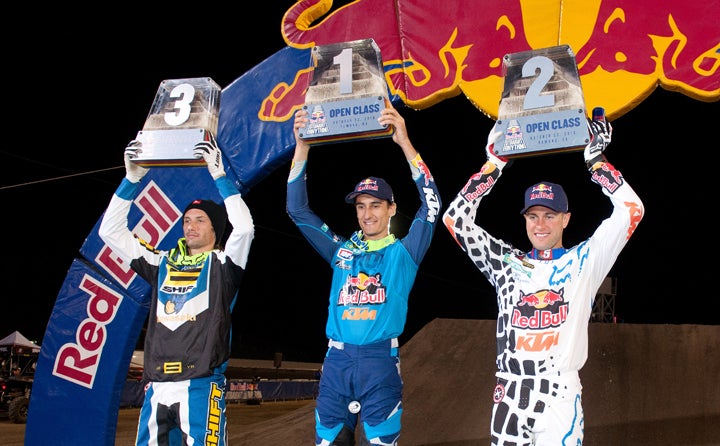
x=133, y=171
x=210, y=152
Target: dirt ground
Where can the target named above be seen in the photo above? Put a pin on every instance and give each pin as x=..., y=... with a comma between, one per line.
x=642, y=385
x=241, y=417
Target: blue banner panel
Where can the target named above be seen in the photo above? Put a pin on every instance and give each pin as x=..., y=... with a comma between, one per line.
x=255, y=127
x=84, y=361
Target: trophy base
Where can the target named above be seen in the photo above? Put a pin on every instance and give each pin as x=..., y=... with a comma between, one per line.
x=336, y=121
x=169, y=148
x=351, y=137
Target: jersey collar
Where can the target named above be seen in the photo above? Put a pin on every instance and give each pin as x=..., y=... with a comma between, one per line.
x=359, y=241
x=546, y=254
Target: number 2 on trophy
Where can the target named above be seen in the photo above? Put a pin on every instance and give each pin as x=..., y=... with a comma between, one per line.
x=533, y=99
x=185, y=94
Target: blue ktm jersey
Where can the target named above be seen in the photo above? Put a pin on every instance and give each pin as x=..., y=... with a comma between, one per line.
x=371, y=283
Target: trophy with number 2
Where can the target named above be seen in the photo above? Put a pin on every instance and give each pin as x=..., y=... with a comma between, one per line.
x=542, y=109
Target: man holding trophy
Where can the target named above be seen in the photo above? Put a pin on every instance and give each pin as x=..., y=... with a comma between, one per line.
x=194, y=289
x=373, y=273
x=544, y=295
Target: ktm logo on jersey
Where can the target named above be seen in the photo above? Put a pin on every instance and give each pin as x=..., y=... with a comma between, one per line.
x=359, y=314
x=535, y=342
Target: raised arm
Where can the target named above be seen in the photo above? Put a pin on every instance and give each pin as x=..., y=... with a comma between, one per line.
x=237, y=246
x=113, y=228
x=459, y=217
x=628, y=210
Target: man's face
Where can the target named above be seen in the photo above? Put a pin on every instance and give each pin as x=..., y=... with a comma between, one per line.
x=198, y=231
x=374, y=216
x=545, y=227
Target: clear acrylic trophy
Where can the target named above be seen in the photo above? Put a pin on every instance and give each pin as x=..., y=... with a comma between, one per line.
x=183, y=111
x=346, y=94
x=542, y=108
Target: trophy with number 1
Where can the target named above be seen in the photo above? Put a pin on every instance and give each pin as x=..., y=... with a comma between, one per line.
x=346, y=94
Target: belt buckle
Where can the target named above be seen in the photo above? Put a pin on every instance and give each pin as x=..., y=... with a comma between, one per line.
x=172, y=367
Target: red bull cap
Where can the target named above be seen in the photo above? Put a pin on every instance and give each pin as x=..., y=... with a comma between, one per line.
x=377, y=187
x=546, y=194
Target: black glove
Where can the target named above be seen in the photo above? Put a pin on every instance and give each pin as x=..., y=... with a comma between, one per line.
x=210, y=152
x=133, y=171
x=600, y=136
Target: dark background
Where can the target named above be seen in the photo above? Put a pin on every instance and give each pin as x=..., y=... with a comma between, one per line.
x=80, y=95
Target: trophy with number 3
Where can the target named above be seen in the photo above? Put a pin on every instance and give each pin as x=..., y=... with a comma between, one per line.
x=181, y=114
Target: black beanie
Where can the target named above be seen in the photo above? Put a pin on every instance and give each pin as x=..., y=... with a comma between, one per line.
x=216, y=213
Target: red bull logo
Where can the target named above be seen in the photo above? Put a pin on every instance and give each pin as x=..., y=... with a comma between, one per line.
x=367, y=184
x=423, y=168
x=362, y=289
x=542, y=188
x=317, y=115
x=541, y=299
x=159, y=216
x=478, y=185
x=630, y=46
x=513, y=130
x=540, y=310
x=545, y=194
x=423, y=68
x=607, y=177
x=78, y=362
x=640, y=44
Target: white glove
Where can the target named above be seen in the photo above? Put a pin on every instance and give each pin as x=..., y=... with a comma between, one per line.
x=210, y=152
x=600, y=137
x=493, y=136
x=133, y=171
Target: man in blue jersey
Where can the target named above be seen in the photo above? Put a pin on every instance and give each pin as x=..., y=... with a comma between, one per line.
x=373, y=273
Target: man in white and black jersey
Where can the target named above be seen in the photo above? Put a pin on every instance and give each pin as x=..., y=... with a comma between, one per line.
x=194, y=289
x=544, y=296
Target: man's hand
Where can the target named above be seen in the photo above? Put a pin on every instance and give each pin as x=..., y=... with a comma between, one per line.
x=600, y=137
x=210, y=152
x=133, y=171
x=499, y=161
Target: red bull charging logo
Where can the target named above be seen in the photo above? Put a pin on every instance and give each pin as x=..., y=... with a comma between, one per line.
x=627, y=47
